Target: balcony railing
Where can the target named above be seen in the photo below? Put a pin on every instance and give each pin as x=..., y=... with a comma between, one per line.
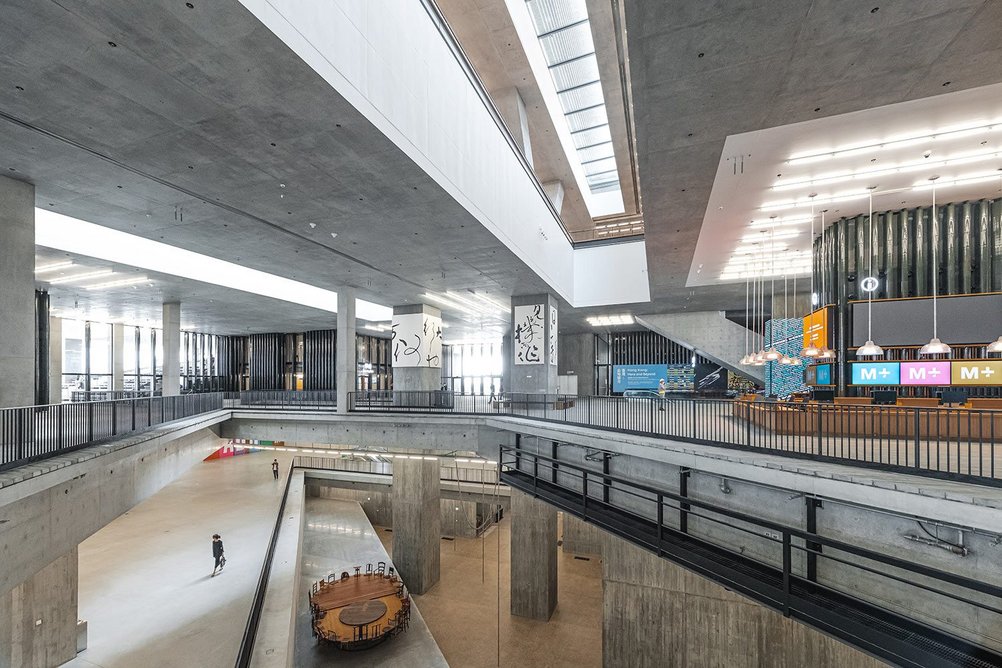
x=36, y=432
x=957, y=443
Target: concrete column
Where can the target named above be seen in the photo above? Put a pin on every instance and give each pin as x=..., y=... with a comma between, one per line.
x=55, y=360
x=533, y=557
x=118, y=357
x=38, y=618
x=172, y=348
x=416, y=522
x=345, y=362
x=655, y=613
x=534, y=351
x=17, y=293
x=417, y=348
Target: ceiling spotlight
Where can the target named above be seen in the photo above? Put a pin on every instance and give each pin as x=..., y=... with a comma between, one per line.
x=333, y=235
x=313, y=226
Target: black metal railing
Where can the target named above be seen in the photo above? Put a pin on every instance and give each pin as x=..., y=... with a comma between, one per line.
x=35, y=432
x=826, y=583
x=949, y=442
x=286, y=399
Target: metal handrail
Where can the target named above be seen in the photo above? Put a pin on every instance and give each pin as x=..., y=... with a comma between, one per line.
x=944, y=442
x=777, y=582
x=32, y=433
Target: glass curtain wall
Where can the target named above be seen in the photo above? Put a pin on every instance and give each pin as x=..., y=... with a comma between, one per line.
x=374, y=371
x=476, y=368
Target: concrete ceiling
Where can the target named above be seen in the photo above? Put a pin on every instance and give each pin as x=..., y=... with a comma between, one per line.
x=704, y=71
x=181, y=125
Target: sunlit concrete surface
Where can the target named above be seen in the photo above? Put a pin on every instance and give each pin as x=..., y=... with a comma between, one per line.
x=145, y=585
x=337, y=537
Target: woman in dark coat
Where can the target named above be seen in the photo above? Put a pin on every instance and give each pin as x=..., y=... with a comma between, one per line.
x=217, y=553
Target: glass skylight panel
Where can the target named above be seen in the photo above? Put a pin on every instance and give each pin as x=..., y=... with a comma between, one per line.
x=603, y=150
x=549, y=15
x=582, y=120
x=574, y=73
x=593, y=136
x=599, y=166
x=583, y=97
x=565, y=38
x=566, y=45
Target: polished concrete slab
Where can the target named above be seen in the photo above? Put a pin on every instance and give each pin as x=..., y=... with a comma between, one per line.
x=337, y=537
x=145, y=580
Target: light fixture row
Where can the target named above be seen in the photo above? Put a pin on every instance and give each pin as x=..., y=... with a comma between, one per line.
x=472, y=303
x=610, y=320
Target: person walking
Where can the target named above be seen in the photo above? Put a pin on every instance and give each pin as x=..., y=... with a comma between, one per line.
x=662, y=388
x=274, y=468
x=217, y=553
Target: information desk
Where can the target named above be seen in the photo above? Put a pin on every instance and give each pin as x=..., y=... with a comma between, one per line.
x=968, y=422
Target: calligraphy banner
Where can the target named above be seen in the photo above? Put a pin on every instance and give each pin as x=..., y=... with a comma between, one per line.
x=417, y=340
x=528, y=334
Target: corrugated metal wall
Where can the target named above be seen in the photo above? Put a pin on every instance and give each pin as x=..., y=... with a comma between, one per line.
x=267, y=361
x=319, y=348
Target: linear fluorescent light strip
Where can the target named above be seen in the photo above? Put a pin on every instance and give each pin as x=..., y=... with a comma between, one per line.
x=448, y=303
x=481, y=308
x=793, y=204
x=607, y=320
x=55, y=266
x=118, y=283
x=901, y=142
x=903, y=168
x=961, y=181
x=490, y=300
x=77, y=277
x=54, y=230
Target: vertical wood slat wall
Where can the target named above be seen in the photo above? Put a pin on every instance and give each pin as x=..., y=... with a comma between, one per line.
x=267, y=361
x=319, y=353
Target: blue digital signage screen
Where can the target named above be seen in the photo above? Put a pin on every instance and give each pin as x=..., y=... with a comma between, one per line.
x=823, y=374
x=637, y=376
x=876, y=373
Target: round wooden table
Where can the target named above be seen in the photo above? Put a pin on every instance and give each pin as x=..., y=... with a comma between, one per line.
x=360, y=614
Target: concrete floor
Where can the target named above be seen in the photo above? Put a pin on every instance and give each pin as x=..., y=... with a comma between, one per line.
x=145, y=585
x=462, y=609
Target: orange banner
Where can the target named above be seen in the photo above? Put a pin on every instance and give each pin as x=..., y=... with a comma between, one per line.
x=816, y=328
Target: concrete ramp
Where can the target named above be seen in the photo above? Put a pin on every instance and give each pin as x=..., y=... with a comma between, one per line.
x=710, y=334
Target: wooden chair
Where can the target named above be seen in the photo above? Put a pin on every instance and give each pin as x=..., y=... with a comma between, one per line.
x=344, y=575
x=381, y=567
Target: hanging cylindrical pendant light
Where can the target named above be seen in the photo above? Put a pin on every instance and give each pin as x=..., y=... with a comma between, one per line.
x=794, y=359
x=772, y=355
x=811, y=350
x=745, y=360
x=869, y=349
x=760, y=355
x=935, y=346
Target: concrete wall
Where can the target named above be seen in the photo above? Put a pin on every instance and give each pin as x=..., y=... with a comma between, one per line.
x=53, y=513
x=579, y=537
x=655, y=613
x=38, y=618
x=711, y=335
x=55, y=360
x=17, y=293
x=534, y=378
x=576, y=356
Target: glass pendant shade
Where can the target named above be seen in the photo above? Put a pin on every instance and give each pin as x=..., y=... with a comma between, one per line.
x=795, y=361
x=935, y=347
x=758, y=362
x=746, y=360
x=772, y=355
x=869, y=349
x=785, y=361
x=826, y=353
x=810, y=351
x=995, y=346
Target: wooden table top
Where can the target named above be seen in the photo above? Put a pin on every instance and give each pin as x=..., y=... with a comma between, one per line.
x=353, y=590
x=360, y=614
